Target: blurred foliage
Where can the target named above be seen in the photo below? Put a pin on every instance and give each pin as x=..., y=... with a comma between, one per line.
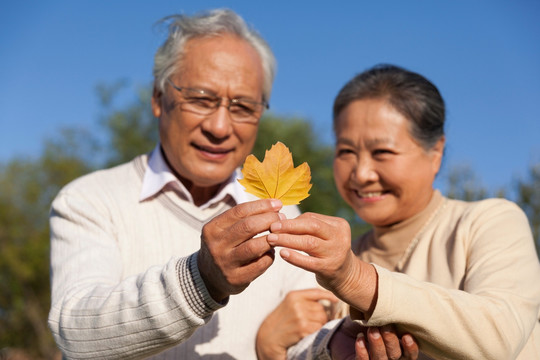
x=131, y=130
x=463, y=184
x=28, y=187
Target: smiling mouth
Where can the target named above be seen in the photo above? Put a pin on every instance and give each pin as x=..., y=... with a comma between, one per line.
x=370, y=194
x=212, y=150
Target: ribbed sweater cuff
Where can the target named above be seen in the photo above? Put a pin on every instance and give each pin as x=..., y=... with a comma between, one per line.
x=194, y=289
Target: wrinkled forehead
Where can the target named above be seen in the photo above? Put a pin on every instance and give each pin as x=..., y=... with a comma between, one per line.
x=207, y=50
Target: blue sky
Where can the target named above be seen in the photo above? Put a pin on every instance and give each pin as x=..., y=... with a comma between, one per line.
x=483, y=55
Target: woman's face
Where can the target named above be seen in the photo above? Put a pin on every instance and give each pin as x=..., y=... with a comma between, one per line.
x=379, y=168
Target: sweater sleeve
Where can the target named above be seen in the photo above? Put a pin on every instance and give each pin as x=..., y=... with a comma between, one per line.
x=97, y=314
x=495, y=313
x=315, y=345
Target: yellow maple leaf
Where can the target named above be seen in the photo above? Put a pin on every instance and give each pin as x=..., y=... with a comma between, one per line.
x=276, y=177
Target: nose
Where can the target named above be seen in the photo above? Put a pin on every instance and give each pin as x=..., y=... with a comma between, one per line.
x=365, y=171
x=219, y=123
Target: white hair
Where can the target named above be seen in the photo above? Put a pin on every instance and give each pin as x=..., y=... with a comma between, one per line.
x=212, y=23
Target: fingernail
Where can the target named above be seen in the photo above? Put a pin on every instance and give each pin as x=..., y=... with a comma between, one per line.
x=284, y=253
x=386, y=328
x=271, y=239
x=374, y=333
x=275, y=226
x=282, y=216
x=360, y=339
x=276, y=204
x=407, y=339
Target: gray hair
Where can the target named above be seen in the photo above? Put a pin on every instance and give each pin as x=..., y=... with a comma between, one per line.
x=212, y=23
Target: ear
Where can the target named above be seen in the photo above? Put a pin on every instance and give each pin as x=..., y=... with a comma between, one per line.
x=157, y=96
x=437, y=152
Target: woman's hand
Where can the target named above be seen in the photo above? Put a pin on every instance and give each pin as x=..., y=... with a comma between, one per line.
x=327, y=242
x=299, y=314
x=352, y=341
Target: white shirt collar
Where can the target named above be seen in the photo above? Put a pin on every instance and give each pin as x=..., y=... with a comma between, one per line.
x=158, y=175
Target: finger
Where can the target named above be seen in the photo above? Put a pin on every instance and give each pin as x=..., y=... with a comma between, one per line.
x=308, y=263
x=360, y=347
x=314, y=311
x=250, y=208
x=249, y=250
x=241, y=277
x=311, y=224
x=329, y=220
x=391, y=342
x=377, y=349
x=410, y=347
x=309, y=244
x=238, y=225
x=322, y=226
x=244, y=210
x=315, y=294
x=222, y=238
x=252, y=225
x=309, y=327
x=302, y=308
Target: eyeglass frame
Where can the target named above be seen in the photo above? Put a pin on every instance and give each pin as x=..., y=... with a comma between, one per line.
x=219, y=102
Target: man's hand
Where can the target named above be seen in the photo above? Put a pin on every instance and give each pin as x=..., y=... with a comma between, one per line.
x=231, y=257
x=299, y=314
x=355, y=342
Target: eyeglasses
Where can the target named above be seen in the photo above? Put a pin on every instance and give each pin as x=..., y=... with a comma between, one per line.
x=204, y=102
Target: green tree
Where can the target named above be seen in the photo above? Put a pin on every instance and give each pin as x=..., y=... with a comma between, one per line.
x=28, y=187
x=463, y=184
x=130, y=130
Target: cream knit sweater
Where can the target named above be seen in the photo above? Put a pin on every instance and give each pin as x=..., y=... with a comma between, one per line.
x=467, y=286
x=125, y=282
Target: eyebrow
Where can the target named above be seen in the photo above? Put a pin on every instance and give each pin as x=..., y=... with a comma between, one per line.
x=211, y=92
x=369, y=143
x=344, y=141
x=205, y=91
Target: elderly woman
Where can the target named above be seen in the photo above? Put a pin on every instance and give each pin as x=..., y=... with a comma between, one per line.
x=462, y=277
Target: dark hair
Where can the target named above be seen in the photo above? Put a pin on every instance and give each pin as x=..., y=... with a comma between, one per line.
x=410, y=93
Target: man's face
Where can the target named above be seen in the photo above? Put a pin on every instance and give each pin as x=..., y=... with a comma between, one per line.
x=205, y=150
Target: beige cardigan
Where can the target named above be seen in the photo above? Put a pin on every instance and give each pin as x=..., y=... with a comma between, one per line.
x=467, y=287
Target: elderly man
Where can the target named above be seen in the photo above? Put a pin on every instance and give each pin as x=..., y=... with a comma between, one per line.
x=145, y=256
